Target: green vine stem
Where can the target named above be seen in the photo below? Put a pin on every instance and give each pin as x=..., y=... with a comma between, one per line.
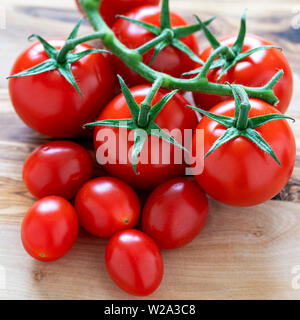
x=133, y=59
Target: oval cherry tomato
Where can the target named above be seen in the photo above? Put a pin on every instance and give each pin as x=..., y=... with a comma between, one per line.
x=57, y=168
x=109, y=9
x=107, y=205
x=134, y=262
x=254, y=71
x=175, y=213
x=239, y=173
x=49, y=228
x=173, y=116
x=170, y=60
x=47, y=103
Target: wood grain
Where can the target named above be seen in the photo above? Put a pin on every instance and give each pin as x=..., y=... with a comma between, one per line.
x=243, y=253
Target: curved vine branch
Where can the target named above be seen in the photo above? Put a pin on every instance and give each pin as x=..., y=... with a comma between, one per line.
x=133, y=59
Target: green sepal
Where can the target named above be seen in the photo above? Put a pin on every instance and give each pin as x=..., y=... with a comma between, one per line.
x=165, y=20
x=238, y=45
x=209, y=36
x=45, y=66
x=229, y=134
x=223, y=120
x=139, y=141
x=74, y=32
x=66, y=72
x=258, y=121
x=49, y=49
x=116, y=123
x=159, y=132
x=184, y=31
x=185, y=49
x=157, y=50
x=133, y=106
x=73, y=57
x=155, y=110
x=148, y=26
x=255, y=137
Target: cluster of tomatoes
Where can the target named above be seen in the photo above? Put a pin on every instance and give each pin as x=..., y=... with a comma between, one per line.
x=61, y=173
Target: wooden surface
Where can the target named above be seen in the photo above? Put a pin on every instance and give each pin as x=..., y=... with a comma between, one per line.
x=244, y=253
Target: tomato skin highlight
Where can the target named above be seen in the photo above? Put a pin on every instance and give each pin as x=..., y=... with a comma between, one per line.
x=110, y=8
x=49, y=228
x=254, y=71
x=175, y=213
x=106, y=206
x=134, y=262
x=170, y=60
x=57, y=168
x=175, y=115
x=239, y=173
x=47, y=103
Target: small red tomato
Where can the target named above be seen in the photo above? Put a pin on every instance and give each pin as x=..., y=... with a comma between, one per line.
x=48, y=103
x=57, y=168
x=175, y=213
x=239, y=173
x=106, y=206
x=49, y=228
x=134, y=262
x=170, y=60
x=110, y=8
x=254, y=71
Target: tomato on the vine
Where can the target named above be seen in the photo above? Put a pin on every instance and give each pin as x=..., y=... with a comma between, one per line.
x=48, y=103
x=175, y=213
x=151, y=172
x=57, y=168
x=253, y=71
x=238, y=172
x=49, y=228
x=106, y=206
x=109, y=9
x=170, y=60
x=134, y=262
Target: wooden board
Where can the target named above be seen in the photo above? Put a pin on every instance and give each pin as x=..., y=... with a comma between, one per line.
x=246, y=253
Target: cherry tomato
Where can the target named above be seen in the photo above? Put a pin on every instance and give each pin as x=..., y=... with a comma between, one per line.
x=175, y=213
x=49, y=228
x=254, y=71
x=107, y=205
x=50, y=105
x=110, y=8
x=239, y=173
x=134, y=262
x=170, y=60
x=173, y=116
x=57, y=168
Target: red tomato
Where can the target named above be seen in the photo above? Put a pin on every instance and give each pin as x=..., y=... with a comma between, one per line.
x=49, y=228
x=175, y=213
x=48, y=103
x=173, y=116
x=110, y=8
x=170, y=60
x=239, y=173
x=254, y=71
x=106, y=206
x=57, y=168
x=134, y=262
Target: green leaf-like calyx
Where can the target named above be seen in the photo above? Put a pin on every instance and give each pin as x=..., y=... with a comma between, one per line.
x=59, y=60
x=241, y=124
x=234, y=54
x=167, y=35
x=143, y=119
